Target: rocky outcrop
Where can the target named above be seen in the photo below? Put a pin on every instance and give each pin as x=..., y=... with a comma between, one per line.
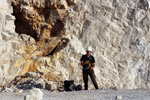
x=40, y=33
x=49, y=37
x=118, y=31
x=42, y=20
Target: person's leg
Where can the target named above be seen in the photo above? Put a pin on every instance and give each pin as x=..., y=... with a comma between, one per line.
x=85, y=79
x=93, y=78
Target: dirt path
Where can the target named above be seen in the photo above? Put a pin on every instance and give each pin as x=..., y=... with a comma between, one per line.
x=84, y=95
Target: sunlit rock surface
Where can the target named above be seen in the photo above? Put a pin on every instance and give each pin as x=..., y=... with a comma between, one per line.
x=50, y=37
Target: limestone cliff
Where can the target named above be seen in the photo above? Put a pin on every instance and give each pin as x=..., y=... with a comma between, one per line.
x=49, y=36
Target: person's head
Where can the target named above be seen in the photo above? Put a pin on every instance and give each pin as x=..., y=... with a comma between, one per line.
x=88, y=51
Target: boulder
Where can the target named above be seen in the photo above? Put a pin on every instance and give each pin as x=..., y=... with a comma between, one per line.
x=31, y=74
x=48, y=86
x=39, y=85
x=35, y=94
x=119, y=97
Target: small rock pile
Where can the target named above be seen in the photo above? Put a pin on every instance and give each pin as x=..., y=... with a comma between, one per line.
x=32, y=80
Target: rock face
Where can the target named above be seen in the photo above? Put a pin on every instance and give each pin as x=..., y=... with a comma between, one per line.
x=43, y=20
x=49, y=37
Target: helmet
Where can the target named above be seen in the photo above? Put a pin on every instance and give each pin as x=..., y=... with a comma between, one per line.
x=88, y=49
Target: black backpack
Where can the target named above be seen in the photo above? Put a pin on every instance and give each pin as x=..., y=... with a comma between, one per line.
x=78, y=88
x=69, y=85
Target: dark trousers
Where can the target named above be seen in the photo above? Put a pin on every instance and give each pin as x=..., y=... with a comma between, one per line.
x=89, y=72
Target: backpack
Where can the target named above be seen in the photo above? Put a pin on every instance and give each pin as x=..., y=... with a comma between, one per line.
x=69, y=85
x=78, y=88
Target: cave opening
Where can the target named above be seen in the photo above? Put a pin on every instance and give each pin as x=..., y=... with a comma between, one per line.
x=23, y=26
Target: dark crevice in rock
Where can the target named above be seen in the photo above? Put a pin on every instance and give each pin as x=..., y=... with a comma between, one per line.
x=57, y=29
x=23, y=28
x=60, y=46
x=143, y=4
x=70, y=2
x=52, y=52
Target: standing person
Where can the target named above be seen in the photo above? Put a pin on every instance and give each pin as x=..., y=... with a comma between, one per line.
x=88, y=63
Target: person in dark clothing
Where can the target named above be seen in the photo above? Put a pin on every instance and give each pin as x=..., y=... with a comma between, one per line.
x=88, y=63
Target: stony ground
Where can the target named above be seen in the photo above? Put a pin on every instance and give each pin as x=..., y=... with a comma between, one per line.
x=83, y=95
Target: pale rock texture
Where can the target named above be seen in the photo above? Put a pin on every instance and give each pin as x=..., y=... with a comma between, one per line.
x=49, y=37
x=8, y=40
x=118, y=32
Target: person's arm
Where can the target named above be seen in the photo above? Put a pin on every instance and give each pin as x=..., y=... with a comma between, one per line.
x=82, y=63
x=93, y=65
x=81, y=60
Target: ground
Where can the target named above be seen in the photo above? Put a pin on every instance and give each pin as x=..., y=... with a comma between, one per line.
x=83, y=95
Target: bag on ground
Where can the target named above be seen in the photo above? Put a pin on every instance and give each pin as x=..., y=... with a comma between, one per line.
x=69, y=85
x=78, y=88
